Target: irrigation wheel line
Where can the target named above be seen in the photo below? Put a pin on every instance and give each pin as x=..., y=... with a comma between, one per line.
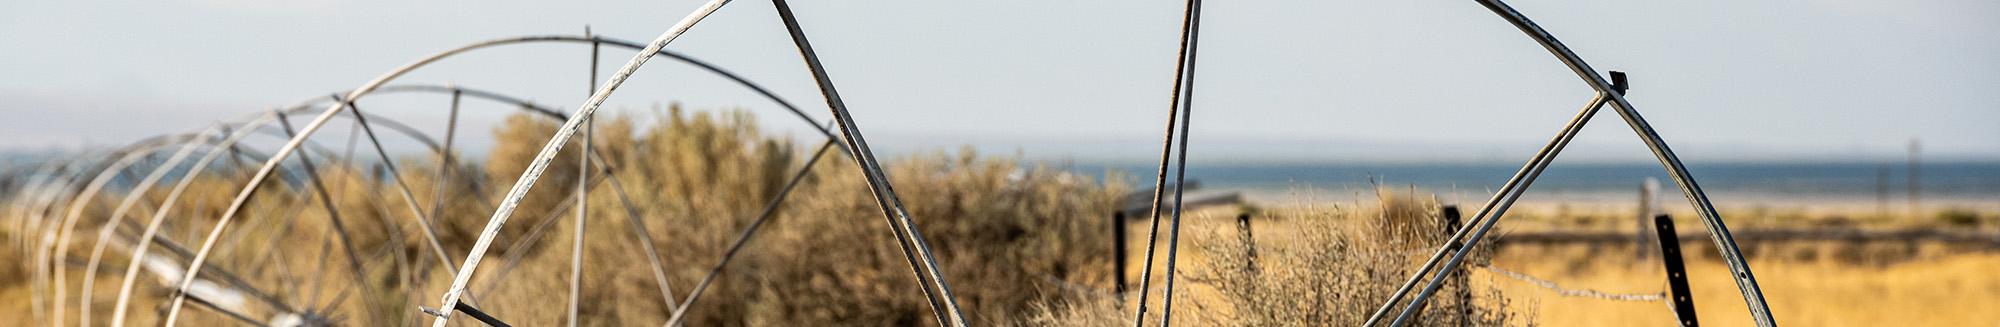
x=549, y=150
x=529, y=106
x=54, y=251
x=105, y=233
x=54, y=194
x=1718, y=231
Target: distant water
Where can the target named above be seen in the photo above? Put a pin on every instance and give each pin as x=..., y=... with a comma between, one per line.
x=1804, y=181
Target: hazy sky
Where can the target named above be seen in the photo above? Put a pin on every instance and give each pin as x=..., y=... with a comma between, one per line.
x=1278, y=80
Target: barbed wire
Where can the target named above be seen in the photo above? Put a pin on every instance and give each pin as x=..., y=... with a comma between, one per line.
x=1073, y=287
x=1559, y=289
x=1576, y=292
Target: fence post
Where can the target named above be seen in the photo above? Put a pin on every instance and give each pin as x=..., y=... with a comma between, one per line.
x=1249, y=243
x=1451, y=224
x=1670, y=254
x=1118, y=261
x=1642, y=239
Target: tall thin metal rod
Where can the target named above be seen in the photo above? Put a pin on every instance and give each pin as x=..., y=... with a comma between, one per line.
x=936, y=290
x=1180, y=170
x=1506, y=194
x=1746, y=283
x=549, y=150
x=1166, y=153
x=446, y=162
x=1459, y=253
x=748, y=231
x=582, y=194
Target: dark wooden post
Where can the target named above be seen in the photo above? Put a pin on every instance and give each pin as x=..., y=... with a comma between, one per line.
x=1677, y=281
x=1118, y=261
x=1451, y=224
x=1249, y=243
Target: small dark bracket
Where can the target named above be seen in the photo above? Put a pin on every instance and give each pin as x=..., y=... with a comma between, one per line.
x=1618, y=82
x=470, y=311
x=495, y=322
x=1677, y=281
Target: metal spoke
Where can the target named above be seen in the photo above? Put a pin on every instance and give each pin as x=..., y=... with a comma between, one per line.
x=332, y=216
x=541, y=161
x=1508, y=192
x=105, y=233
x=416, y=212
x=582, y=195
x=912, y=243
x=141, y=247
x=1533, y=171
x=1753, y=297
x=748, y=231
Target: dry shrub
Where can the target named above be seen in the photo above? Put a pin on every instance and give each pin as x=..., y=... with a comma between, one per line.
x=1401, y=220
x=1090, y=311
x=827, y=257
x=998, y=226
x=1338, y=269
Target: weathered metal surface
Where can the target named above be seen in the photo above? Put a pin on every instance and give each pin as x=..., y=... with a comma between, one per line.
x=548, y=152
x=1495, y=207
x=1177, y=105
x=1746, y=283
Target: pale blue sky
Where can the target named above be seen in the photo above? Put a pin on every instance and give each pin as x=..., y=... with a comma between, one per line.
x=1088, y=80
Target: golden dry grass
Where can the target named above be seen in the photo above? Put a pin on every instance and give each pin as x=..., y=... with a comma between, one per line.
x=1002, y=227
x=1956, y=290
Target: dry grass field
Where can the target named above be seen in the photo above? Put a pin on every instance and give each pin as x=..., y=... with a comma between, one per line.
x=1022, y=243
x=1806, y=283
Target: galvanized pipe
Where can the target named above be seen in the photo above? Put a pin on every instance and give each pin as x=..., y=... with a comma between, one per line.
x=1180, y=170
x=1459, y=253
x=1718, y=231
x=1166, y=151
x=1507, y=193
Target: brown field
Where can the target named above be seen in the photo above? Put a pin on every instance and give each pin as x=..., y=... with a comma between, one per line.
x=1023, y=244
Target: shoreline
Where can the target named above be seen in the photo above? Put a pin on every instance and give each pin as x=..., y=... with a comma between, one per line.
x=1549, y=201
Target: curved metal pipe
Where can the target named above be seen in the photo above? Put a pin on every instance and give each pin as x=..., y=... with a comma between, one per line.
x=60, y=244
x=132, y=198
x=1746, y=283
x=549, y=150
x=376, y=85
x=1718, y=231
x=153, y=227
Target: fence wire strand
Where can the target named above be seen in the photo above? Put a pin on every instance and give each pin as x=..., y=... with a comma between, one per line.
x=1576, y=292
